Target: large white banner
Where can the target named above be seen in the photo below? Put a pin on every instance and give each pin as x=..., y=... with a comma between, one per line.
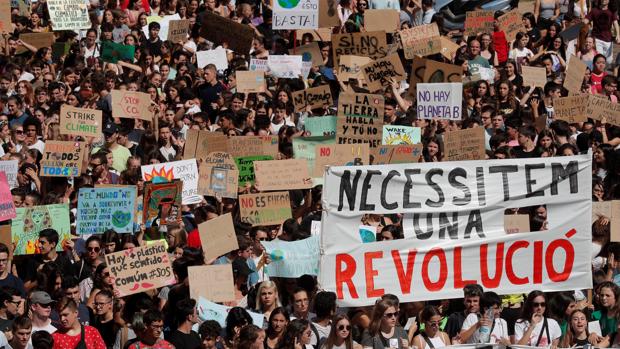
x=453, y=222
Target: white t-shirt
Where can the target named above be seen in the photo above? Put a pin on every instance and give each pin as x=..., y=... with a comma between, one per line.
x=500, y=330
x=554, y=332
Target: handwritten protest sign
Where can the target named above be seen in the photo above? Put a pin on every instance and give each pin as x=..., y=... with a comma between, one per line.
x=288, y=14
x=185, y=170
x=536, y=76
x=220, y=30
x=282, y=175
x=7, y=208
x=29, y=221
x=511, y=23
x=609, y=210
x=396, y=154
x=62, y=159
x=245, y=165
x=162, y=203
x=448, y=48
x=292, y=259
x=340, y=155
x=574, y=74
x=441, y=72
x=479, y=21
x=218, y=176
x=516, y=223
x=360, y=118
x=309, y=53
x=100, y=209
x=259, y=65
x=314, y=97
x=319, y=34
x=350, y=67
x=9, y=167
x=250, y=81
x=602, y=108
x=68, y=14
x=386, y=20
x=395, y=135
x=440, y=100
x=178, y=30
x=217, y=236
x=80, y=121
x=321, y=125
x=131, y=105
x=213, y=282
x=164, y=23
x=218, y=56
x=140, y=269
x=422, y=40
x=285, y=66
x=201, y=143
x=304, y=148
x=467, y=144
x=571, y=109
x=367, y=44
x=265, y=208
x=379, y=73
x=253, y=145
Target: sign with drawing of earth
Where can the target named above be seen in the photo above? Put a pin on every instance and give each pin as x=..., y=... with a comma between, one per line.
x=296, y=14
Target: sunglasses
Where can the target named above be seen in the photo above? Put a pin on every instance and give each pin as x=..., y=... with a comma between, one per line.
x=390, y=315
x=19, y=132
x=539, y=304
x=343, y=327
x=93, y=249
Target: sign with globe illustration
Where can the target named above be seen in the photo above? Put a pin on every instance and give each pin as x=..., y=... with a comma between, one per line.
x=296, y=14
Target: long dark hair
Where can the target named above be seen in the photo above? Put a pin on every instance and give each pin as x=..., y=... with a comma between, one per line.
x=293, y=332
x=279, y=310
x=528, y=306
x=331, y=338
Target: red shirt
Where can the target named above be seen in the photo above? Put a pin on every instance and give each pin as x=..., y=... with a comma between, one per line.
x=92, y=338
x=160, y=344
x=501, y=46
x=193, y=239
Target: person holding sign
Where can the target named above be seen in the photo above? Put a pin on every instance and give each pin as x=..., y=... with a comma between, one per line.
x=534, y=328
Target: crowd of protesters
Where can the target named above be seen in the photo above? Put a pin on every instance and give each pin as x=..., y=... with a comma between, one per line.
x=67, y=299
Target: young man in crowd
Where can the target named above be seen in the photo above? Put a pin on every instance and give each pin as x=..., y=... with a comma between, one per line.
x=71, y=333
x=471, y=301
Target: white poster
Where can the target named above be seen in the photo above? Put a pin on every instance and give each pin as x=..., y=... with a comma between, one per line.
x=285, y=66
x=453, y=220
x=68, y=14
x=216, y=56
x=296, y=14
x=440, y=100
x=10, y=168
x=164, y=23
x=185, y=170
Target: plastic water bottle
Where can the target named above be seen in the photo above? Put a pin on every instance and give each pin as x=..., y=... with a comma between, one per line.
x=485, y=330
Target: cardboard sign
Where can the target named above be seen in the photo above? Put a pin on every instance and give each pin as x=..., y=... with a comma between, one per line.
x=7, y=208
x=226, y=32
x=100, y=209
x=5, y=17
x=340, y=155
x=574, y=74
x=609, y=210
x=265, y=208
x=367, y=44
x=418, y=68
x=397, y=135
x=245, y=165
x=321, y=125
x=200, y=143
x=328, y=14
x=448, y=47
x=536, y=76
x=601, y=108
x=511, y=23
x=440, y=100
x=396, y=154
x=178, y=30
x=140, y=269
x=80, y=121
x=62, y=159
x=295, y=14
x=253, y=145
x=250, y=81
x=572, y=32
x=218, y=176
x=467, y=144
x=164, y=23
x=309, y=53
x=9, y=167
x=441, y=72
x=304, y=148
x=217, y=236
x=131, y=105
x=162, y=203
x=378, y=74
x=68, y=14
x=516, y=223
x=319, y=34
x=387, y=20
x=314, y=97
x=282, y=175
x=184, y=170
x=422, y=40
x=571, y=109
x=29, y=221
x=350, y=67
x=213, y=282
x=38, y=40
x=479, y=21
x=360, y=119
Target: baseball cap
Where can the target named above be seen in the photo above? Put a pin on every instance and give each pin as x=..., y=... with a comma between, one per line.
x=110, y=129
x=41, y=297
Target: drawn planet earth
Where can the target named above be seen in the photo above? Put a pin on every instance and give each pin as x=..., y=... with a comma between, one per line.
x=288, y=3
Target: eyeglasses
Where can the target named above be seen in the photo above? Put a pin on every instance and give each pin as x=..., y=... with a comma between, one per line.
x=15, y=302
x=94, y=165
x=93, y=249
x=343, y=327
x=539, y=304
x=19, y=132
x=106, y=275
x=390, y=315
x=433, y=323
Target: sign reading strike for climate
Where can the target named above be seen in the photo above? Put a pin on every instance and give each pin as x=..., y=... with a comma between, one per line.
x=453, y=225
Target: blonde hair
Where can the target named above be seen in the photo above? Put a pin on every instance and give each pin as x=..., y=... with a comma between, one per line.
x=264, y=285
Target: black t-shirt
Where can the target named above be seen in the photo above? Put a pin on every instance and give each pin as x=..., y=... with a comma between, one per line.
x=520, y=153
x=209, y=94
x=13, y=282
x=454, y=324
x=107, y=331
x=182, y=340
